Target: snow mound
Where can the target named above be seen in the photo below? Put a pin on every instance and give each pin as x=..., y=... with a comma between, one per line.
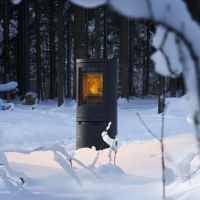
x=176, y=105
x=170, y=176
x=110, y=170
x=6, y=106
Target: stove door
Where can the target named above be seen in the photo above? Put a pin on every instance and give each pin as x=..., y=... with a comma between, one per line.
x=92, y=92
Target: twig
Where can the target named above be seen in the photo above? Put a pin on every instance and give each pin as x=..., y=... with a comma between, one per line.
x=96, y=159
x=148, y=129
x=163, y=155
x=115, y=155
x=161, y=146
x=149, y=5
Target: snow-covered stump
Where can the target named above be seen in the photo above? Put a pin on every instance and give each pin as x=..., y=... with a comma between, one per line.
x=8, y=88
x=30, y=98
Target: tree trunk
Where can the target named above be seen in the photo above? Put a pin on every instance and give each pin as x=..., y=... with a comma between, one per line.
x=180, y=85
x=105, y=33
x=26, y=47
x=52, y=81
x=97, y=33
x=173, y=87
x=161, y=94
x=38, y=50
x=61, y=54
x=79, y=39
x=146, y=62
x=132, y=91
x=6, y=39
x=23, y=48
x=69, y=55
x=124, y=69
x=86, y=34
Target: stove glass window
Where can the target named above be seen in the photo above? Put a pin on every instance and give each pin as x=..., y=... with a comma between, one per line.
x=92, y=91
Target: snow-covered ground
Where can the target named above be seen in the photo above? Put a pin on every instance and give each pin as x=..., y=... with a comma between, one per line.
x=137, y=174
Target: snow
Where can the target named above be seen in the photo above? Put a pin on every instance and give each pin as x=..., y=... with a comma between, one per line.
x=6, y=106
x=8, y=86
x=33, y=94
x=132, y=8
x=171, y=51
x=15, y=2
x=89, y=3
x=40, y=144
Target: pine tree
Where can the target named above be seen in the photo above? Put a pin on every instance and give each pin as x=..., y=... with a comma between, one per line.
x=161, y=94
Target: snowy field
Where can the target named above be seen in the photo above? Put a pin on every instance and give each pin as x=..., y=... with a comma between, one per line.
x=137, y=174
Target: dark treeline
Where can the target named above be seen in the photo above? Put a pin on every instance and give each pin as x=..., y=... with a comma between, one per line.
x=40, y=41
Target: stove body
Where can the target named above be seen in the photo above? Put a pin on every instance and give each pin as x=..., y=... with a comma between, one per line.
x=96, y=95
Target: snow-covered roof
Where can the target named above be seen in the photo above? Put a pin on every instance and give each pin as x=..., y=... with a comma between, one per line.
x=8, y=86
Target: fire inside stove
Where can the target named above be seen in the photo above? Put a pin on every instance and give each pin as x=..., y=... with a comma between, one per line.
x=92, y=88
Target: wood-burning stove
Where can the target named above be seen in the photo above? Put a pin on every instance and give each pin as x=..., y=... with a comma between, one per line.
x=96, y=101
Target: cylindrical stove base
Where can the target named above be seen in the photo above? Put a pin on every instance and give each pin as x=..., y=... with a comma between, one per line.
x=89, y=134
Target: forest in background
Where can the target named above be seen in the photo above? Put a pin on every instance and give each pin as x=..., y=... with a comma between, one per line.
x=40, y=41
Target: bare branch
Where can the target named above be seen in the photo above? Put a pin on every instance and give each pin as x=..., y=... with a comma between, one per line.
x=150, y=8
x=161, y=147
x=96, y=159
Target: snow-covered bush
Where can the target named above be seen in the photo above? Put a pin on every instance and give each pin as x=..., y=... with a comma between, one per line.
x=30, y=98
x=112, y=143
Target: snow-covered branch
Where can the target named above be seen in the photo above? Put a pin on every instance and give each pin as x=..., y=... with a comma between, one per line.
x=113, y=143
